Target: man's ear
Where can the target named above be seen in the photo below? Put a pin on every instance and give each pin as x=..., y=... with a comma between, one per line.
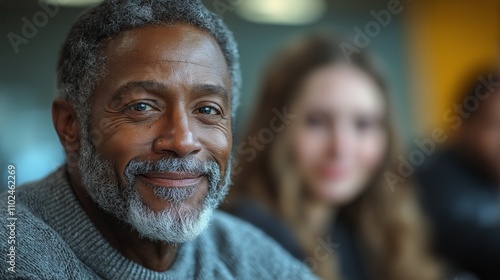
x=66, y=125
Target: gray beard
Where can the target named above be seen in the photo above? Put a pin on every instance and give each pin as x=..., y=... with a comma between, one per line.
x=174, y=195
x=178, y=223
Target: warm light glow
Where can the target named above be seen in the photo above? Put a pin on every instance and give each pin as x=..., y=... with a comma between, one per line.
x=72, y=3
x=294, y=12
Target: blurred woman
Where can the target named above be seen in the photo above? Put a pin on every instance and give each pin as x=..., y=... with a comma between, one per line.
x=317, y=183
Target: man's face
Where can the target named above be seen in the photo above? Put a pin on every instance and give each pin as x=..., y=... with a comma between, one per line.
x=160, y=125
x=484, y=129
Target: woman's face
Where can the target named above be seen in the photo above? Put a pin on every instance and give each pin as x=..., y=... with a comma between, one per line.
x=339, y=139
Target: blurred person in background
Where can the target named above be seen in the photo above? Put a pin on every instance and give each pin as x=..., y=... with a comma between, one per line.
x=460, y=184
x=318, y=187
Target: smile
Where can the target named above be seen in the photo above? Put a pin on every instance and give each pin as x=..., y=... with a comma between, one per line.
x=171, y=179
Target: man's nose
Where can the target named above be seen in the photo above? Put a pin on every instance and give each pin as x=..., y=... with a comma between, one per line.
x=176, y=135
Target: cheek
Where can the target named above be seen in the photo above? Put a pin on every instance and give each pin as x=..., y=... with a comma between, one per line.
x=308, y=151
x=218, y=142
x=371, y=151
x=123, y=143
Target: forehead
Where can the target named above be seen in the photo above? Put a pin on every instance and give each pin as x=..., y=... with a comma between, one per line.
x=154, y=50
x=342, y=88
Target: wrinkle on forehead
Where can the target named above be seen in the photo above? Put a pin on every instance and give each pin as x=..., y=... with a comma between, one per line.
x=147, y=45
x=182, y=50
x=183, y=61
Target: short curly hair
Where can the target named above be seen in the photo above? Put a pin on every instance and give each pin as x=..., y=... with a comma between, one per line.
x=82, y=62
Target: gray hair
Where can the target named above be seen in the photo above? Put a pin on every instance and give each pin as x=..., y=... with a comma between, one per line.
x=82, y=62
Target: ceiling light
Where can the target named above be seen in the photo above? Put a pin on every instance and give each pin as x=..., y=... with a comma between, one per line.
x=294, y=12
x=72, y=3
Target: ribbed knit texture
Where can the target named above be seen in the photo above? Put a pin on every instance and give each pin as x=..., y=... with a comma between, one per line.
x=55, y=239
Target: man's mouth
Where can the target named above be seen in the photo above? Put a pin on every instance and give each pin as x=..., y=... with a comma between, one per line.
x=171, y=179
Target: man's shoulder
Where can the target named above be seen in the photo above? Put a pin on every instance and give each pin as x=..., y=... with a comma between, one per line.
x=34, y=249
x=22, y=201
x=241, y=246
x=234, y=229
x=31, y=195
x=229, y=223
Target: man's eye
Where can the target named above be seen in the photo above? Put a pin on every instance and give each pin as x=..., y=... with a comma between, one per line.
x=208, y=110
x=141, y=107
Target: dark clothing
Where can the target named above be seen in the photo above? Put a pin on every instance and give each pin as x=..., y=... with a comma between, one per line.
x=464, y=208
x=342, y=241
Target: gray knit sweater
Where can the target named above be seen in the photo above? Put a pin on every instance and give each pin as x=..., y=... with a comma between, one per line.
x=55, y=239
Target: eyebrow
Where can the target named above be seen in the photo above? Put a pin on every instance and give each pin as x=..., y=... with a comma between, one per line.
x=128, y=88
x=158, y=87
x=214, y=89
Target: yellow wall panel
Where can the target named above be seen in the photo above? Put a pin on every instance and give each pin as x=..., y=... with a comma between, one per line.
x=447, y=37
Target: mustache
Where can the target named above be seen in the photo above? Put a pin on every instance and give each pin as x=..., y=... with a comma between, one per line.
x=189, y=165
